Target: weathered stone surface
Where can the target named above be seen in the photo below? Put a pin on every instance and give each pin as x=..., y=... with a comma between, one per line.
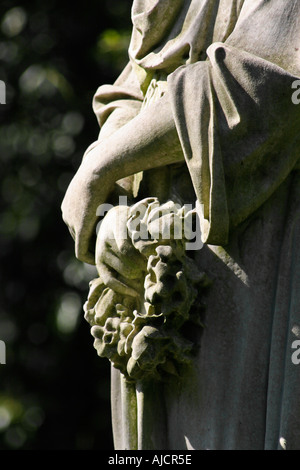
x=204, y=112
x=142, y=334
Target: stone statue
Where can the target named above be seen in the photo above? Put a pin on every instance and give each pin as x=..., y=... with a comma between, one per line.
x=198, y=131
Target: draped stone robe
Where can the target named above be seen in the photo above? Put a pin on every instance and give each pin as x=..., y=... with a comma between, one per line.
x=228, y=66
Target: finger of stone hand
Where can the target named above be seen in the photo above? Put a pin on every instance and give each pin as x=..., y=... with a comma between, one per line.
x=82, y=251
x=72, y=232
x=131, y=255
x=108, y=276
x=65, y=217
x=121, y=264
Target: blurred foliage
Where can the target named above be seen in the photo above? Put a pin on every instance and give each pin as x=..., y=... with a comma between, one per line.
x=54, y=390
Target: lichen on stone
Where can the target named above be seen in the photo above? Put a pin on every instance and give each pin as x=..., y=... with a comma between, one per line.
x=147, y=337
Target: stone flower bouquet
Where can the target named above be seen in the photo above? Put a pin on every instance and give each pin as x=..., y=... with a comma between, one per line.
x=151, y=334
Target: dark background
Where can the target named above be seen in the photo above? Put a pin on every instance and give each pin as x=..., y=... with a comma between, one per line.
x=54, y=390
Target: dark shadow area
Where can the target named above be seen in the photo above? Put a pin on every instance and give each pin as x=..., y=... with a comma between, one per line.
x=54, y=390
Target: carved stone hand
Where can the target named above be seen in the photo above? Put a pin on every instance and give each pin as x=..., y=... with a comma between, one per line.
x=86, y=191
x=150, y=140
x=121, y=265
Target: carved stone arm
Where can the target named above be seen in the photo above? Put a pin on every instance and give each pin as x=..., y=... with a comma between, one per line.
x=149, y=140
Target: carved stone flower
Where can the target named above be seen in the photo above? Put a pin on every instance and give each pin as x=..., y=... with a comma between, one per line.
x=144, y=337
